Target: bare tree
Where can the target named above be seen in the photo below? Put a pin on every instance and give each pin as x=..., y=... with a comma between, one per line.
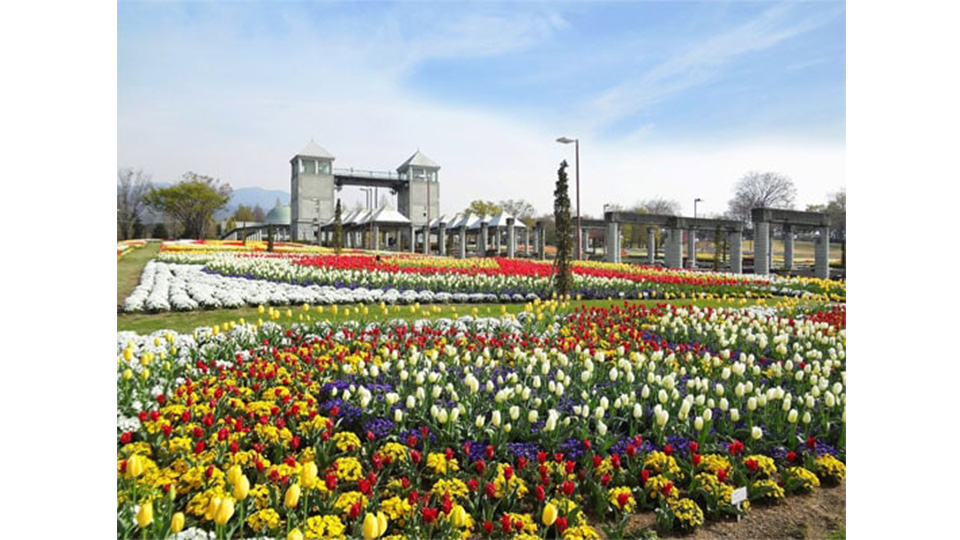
x=660, y=206
x=132, y=185
x=761, y=190
x=519, y=208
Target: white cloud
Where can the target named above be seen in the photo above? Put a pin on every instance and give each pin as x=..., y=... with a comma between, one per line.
x=246, y=128
x=699, y=64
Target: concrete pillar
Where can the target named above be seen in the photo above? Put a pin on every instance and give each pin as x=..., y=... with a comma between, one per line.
x=426, y=240
x=542, y=242
x=822, y=253
x=526, y=241
x=482, y=239
x=413, y=238
x=651, y=245
x=442, y=239
x=736, y=252
x=610, y=251
x=674, y=252
x=761, y=248
x=691, y=248
x=496, y=241
x=584, y=243
x=787, y=247
x=462, y=248
x=375, y=237
x=511, y=238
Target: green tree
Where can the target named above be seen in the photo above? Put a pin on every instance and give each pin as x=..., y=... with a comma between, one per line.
x=159, y=231
x=244, y=213
x=337, y=228
x=192, y=202
x=483, y=208
x=561, y=213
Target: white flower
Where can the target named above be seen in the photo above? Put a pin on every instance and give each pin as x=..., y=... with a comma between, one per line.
x=756, y=433
x=792, y=416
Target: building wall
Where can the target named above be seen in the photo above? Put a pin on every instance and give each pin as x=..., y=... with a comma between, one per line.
x=412, y=201
x=305, y=189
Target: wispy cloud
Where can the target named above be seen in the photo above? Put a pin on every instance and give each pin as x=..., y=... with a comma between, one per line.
x=701, y=63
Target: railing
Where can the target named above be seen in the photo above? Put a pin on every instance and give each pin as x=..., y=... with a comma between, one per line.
x=381, y=175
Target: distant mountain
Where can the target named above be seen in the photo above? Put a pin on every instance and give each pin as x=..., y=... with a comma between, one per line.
x=266, y=198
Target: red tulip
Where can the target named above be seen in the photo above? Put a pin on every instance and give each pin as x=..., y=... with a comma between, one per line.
x=721, y=475
x=696, y=460
x=473, y=485
x=694, y=447
x=791, y=456
x=521, y=463
x=752, y=465
x=540, y=493
x=812, y=443
x=568, y=487
x=597, y=461
x=507, y=472
x=488, y=527
x=541, y=457
x=615, y=461
x=489, y=451
x=586, y=445
x=331, y=482
x=558, y=457
x=644, y=476
x=623, y=499
x=667, y=488
x=126, y=437
x=604, y=480
x=480, y=466
x=505, y=524
x=415, y=456
x=668, y=450
x=491, y=489
x=448, y=453
x=569, y=466
x=447, y=503
x=561, y=524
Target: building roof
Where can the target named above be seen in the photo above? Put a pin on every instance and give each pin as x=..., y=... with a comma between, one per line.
x=314, y=150
x=279, y=214
x=418, y=159
x=501, y=221
x=386, y=215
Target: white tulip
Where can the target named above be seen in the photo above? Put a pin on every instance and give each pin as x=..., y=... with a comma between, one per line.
x=514, y=412
x=495, y=419
x=662, y=418
x=614, y=374
x=756, y=433
x=707, y=415
x=601, y=428
x=806, y=417
x=397, y=415
x=436, y=391
x=792, y=416
x=532, y=417
x=481, y=420
x=411, y=402
x=442, y=416
x=585, y=376
x=637, y=410
x=698, y=423
x=734, y=415
x=662, y=396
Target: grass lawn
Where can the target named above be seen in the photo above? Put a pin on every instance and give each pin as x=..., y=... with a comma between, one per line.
x=131, y=266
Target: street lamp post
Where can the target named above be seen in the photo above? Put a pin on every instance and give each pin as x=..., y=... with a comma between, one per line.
x=695, y=201
x=567, y=140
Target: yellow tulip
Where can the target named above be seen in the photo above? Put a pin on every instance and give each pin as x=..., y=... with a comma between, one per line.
x=371, y=527
x=176, y=522
x=127, y=354
x=306, y=307
x=260, y=309
x=212, y=507
x=459, y=517
x=127, y=374
x=134, y=466
x=145, y=515
x=308, y=475
x=295, y=535
x=549, y=514
x=233, y=473
x=292, y=496
x=224, y=512
x=145, y=374
x=382, y=521
x=241, y=488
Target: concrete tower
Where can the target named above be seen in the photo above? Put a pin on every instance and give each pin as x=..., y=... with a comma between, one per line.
x=311, y=191
x=422, y=186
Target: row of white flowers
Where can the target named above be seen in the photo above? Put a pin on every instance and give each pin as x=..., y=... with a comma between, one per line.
x=185, y=287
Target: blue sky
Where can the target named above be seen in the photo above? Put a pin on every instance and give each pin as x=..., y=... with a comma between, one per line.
x=671, y=99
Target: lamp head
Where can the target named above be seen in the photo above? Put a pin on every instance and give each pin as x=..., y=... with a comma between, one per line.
x=566, y=140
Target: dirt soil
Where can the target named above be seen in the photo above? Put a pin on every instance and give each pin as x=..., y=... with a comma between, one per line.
x=812, y=516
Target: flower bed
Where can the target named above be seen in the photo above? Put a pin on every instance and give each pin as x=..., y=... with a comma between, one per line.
x=127, y=246
x=545, y=425
x=500, y=276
